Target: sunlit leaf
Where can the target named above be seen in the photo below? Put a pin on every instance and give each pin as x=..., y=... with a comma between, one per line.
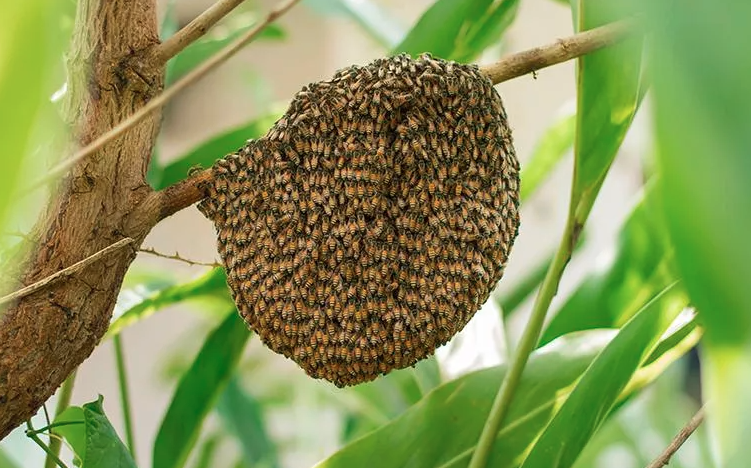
x=607, y=99
x=551, y=148
x=703, y=115
x=25, y=56
x=625, y=278
x=459, y=29
x=142, y=300
x=197, y=392
x=603, y=382
x=426, y=434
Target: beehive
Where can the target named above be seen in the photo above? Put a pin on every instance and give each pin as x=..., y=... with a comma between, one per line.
x=373, y=220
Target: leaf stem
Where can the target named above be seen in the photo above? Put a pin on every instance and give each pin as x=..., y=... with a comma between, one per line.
x=63, y=401
x=122, y=379
x=529, y=341
x=31, y=434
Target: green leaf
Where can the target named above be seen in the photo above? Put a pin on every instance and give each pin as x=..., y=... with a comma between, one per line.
x=217, y=147
x=510, y=300
x=104, y=449
x=459, y=29
x=426, y=434
x=242, y=416
x=5, y=461
x=703, y=115
x=441, y=429
x=369, y=15
x=639, y=267
x=603, y=382
x=74, y=433
x=205, y=457
x=371, y=405
x=551, y=148
x=92, y=437
x=197, y=392
x=218, y=37
x=607, y=99
x=141, y=302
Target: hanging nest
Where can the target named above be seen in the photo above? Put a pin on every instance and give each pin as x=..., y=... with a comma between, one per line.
x=373, y=220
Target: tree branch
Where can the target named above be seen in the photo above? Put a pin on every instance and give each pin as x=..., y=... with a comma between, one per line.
x=65, y=272
x=159, y=101
x=177, y=257
x=186, y=192
x=560, y=51
x=193, y=30
x=678, y=441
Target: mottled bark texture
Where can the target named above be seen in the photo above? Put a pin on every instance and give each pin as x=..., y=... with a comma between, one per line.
x=103, y=199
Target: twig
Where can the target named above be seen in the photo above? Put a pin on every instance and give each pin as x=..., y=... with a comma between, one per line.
x=63, y=401
x=193, y=30
x=164, y=97
x=122, y=379
x=177, y=257
x=560, y=51
x=678, y=441
x=186, y=192
x=65, y=272
x=30, y=433
x=182, y=194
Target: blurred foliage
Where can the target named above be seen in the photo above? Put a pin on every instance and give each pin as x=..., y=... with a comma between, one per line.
x=582, y=401
x=459, y=29
x=702, y=121
x=197, y=392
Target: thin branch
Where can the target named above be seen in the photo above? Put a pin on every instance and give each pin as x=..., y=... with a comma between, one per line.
x=562, y=50
x=65, y=272
x=162, y=99
x=678, y=441
x=31, y=434
x=122, y=380
x=193, y=30
x=186, y=192
x=63, y=401
x=176, y=256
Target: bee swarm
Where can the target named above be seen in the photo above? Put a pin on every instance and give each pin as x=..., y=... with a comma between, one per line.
x=373, y=220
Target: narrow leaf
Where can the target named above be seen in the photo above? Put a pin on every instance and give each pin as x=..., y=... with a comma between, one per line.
x=551, y=148
x=197, y=391
x=217, y=147
x=635, y=270
x=608, y=96
x=242, y=416
x=142, y=303
x=459, y=29
x=603, y=382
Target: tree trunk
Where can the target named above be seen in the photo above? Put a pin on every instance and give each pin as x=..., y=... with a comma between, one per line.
x=103, y=199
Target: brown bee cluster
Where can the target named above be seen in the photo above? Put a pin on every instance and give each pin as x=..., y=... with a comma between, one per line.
x=373, y=220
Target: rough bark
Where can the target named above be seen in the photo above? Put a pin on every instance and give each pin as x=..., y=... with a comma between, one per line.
x=45, y=335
